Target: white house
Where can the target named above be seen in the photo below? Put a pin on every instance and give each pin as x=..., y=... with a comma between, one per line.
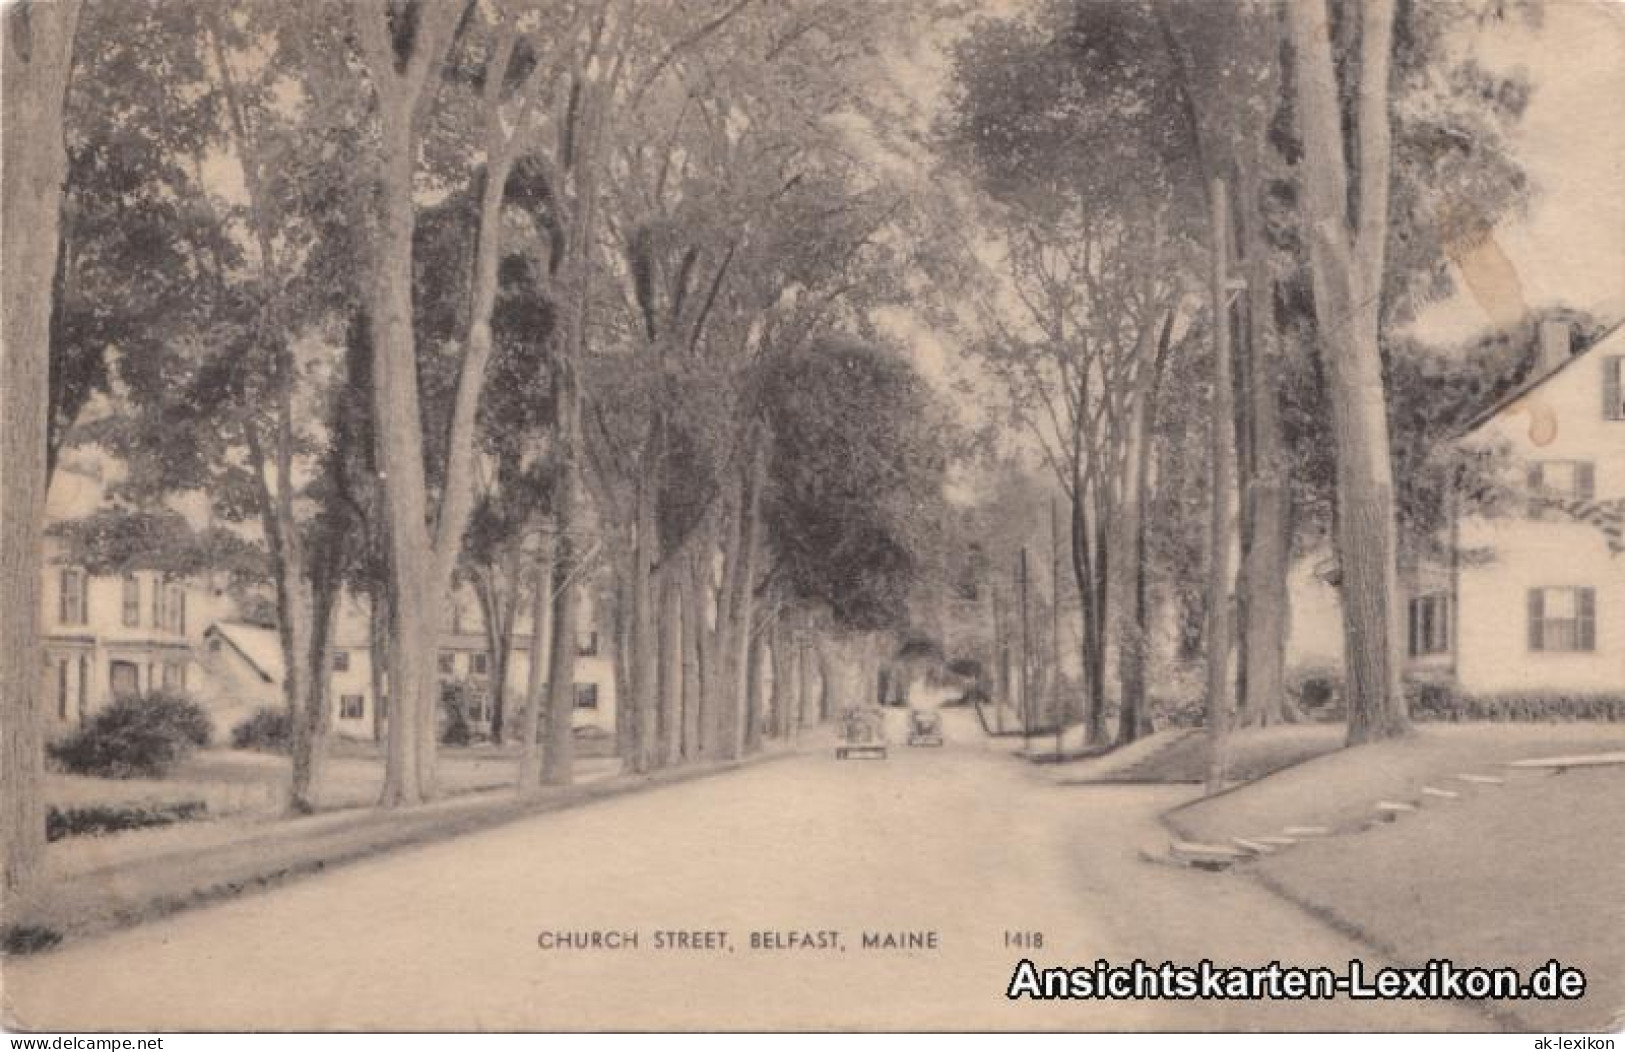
x=1543, y=608
x=113, y=635
x=242, y=670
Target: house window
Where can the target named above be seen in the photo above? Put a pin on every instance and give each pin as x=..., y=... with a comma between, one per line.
x=62, y=689
x=158, y=603
x=341, y=661
x=1559, y=480
x=352, y=707
x=73, y=600
x=1430, y=625
x=132, y=600
x=476, y=708
x=448, y=662
x=124, y=679
x=1562, y=619
x=177, y=610
x=383, y=707
x=479, y=664
x=586, y=695
x=1613, y=387
x=174, y=675
x=84, y=687
x=587, y=647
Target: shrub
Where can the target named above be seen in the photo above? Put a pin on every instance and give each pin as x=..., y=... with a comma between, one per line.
x=17, y=940
x=1443, y=702
x=454, y=725
x=135, y=738
x=268, y=730
x=1318, y=692
x=98, y=819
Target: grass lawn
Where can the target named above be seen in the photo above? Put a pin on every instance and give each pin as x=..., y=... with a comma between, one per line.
x=234, y=781
x=1339, y=788
x=1517, y=874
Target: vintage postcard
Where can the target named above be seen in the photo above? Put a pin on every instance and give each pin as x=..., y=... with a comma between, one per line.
x=813, y=515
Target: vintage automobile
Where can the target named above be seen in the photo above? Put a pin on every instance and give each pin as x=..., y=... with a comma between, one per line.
x=924, y=727
x=863, y=734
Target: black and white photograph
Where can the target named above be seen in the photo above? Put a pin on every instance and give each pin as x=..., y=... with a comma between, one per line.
x=700, y=517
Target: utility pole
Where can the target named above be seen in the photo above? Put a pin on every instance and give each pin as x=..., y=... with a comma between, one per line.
x=1055, y=612
x=999, y=663
x=1026, y=675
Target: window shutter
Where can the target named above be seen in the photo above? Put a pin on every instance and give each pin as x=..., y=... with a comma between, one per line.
x=1585, y=480
x=1537, y=478
x=1587, y=605
x=1537, y=617
x=1613, y=399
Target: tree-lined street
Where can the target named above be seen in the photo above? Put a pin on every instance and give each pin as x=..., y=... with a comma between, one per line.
x=960, y=841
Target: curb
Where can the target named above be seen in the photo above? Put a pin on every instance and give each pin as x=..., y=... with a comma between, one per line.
x=503, y=811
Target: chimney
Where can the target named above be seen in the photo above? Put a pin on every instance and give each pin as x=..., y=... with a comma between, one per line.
x=1556, y=343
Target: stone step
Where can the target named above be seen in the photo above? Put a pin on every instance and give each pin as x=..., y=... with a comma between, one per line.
x=1440, y=794
x=1254, y=847
x=1392, y=809
x=1206, y=856
x=1563, y=763
x=1276, y=841
x=1480, y=779
x=1306, y=831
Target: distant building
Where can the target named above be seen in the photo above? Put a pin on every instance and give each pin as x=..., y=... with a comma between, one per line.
x=242, y=670
x=113, y=635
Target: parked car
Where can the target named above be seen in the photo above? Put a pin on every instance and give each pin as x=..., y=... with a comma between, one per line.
x=863, y=734
x=924, y=727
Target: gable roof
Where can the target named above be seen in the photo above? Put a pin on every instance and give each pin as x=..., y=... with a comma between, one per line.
x=1535, y=381
x=260, y=648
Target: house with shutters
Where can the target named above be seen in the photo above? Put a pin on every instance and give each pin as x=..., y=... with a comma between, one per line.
x=108, y=636
x=1539, y=604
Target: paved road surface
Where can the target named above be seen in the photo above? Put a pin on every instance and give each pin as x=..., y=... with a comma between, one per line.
x=963, y=841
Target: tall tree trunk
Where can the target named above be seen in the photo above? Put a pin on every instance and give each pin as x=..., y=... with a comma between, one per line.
x=741, y=609
x=379, y=634
x=753, y=691
x=1264, y=559
x=692, y=640
x=783, y=695
x=1221, y=469
x=541, y=628
x=669, y=725
x=1346, y=256
x=37, y=61
x=558, y=756
x=302, y=664
x=643, y=656
x=1131, y=634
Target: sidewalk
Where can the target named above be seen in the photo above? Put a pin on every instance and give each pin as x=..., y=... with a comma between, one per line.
x=86, y=894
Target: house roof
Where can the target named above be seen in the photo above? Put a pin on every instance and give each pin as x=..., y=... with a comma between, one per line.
x=1535, y=381
x=260, y=647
